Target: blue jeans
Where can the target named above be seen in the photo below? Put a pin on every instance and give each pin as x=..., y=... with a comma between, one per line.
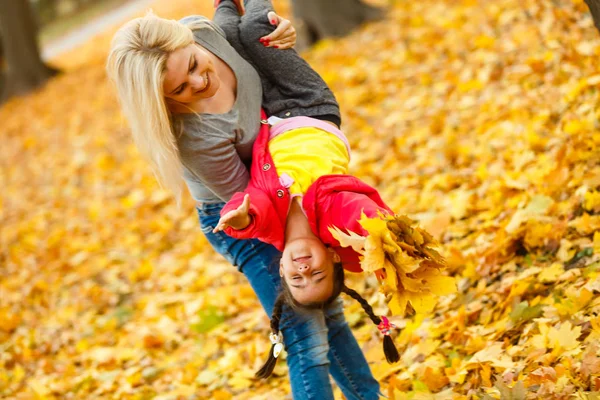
x=317, y=342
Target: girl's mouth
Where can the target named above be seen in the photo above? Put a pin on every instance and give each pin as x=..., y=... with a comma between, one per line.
x=302, y=259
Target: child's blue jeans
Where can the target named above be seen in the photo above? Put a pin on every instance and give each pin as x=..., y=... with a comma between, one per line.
x=317, y=342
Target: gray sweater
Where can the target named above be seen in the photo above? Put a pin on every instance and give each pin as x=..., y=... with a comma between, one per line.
x=216, y=149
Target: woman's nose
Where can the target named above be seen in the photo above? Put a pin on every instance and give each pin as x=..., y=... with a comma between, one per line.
x=198, y=82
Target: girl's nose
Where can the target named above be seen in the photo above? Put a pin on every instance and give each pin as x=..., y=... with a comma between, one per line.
x=303, y=268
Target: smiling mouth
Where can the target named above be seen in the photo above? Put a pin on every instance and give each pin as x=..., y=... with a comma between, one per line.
x=207, y=86
x=302, y=259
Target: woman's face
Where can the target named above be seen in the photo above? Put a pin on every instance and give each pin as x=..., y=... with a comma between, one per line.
x=190, y=75
x=307, y=267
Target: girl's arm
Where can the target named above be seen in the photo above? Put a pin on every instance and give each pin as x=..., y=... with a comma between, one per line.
x=251, y=215
x=237, y=219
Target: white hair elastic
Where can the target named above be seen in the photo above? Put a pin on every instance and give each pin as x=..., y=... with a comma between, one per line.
x=277, y=340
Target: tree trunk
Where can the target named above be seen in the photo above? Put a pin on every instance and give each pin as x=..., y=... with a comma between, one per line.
x=318, y=19
x=25, y=69
x=594, y=6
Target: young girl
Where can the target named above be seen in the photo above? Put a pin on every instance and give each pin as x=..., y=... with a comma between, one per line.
x=304, y=158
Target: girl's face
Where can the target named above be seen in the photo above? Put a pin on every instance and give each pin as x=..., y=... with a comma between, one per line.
x=307, y=267
x=190, y=75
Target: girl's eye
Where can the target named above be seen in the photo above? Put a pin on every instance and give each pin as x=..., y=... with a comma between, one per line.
x=194, y=65
x=180, y=90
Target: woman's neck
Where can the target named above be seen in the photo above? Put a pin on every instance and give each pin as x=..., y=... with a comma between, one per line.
x=297, y=225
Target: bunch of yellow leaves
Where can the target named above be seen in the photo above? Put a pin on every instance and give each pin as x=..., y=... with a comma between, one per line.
x=402, y=257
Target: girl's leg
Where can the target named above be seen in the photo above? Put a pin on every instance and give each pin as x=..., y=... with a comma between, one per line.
x=291, y=87
x=228, y=18
x=352, y=373
x=305, y=335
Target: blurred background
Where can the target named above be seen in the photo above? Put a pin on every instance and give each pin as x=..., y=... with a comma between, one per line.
x=479, y=119
x=49, y=27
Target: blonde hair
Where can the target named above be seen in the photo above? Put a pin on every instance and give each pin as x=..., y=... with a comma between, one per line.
x=136, y=64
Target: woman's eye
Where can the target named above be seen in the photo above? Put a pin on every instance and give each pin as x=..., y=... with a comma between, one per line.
x=194, y=65
x=180, y=90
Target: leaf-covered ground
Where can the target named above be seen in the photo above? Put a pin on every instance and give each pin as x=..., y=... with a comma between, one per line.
x=478, y=118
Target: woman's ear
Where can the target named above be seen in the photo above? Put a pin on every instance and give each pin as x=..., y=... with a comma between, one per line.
x=280, y=269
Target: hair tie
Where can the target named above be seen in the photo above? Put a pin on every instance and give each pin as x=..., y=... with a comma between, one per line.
x=385, y=326
x=277, y=342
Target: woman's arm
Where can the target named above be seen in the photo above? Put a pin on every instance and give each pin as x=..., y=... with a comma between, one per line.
x=217, y=165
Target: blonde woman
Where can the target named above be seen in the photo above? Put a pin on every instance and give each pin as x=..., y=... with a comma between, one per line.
x=192, y=91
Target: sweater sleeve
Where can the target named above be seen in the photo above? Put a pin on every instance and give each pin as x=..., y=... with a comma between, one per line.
x=199, y=23
x=265, y=225
x=231, y=176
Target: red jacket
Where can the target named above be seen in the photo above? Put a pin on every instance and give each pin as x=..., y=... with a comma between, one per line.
x=333, y=200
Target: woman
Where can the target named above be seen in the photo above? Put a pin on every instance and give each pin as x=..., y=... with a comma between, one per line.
x=193, y=101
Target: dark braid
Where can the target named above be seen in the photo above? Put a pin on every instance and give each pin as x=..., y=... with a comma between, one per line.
x=389, y=349
x=276, y=317
x=365, y=305
x=267, y=368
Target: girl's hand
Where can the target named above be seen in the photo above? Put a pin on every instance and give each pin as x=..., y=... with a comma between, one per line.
x=283, y=37
x=237, y=219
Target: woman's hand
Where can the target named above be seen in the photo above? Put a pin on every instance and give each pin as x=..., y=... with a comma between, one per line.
x=237, y=219
x=283, y=37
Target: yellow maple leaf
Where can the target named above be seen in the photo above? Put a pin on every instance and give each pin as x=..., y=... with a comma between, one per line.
x=538, y=205
x=397, y=304
x=540, y=341
x=586, y=224
x=564, y=337
x=350, y=239
x=391, y=278
x=411, y=284
x=433, y=281
x=423, y=303
x=551, y=274
x=375, y=226
x=403, y=261
x=373, y=255
x=493, y=354
x=591, y=201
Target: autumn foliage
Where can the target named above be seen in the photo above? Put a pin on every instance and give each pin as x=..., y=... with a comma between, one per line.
x=476, y=119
